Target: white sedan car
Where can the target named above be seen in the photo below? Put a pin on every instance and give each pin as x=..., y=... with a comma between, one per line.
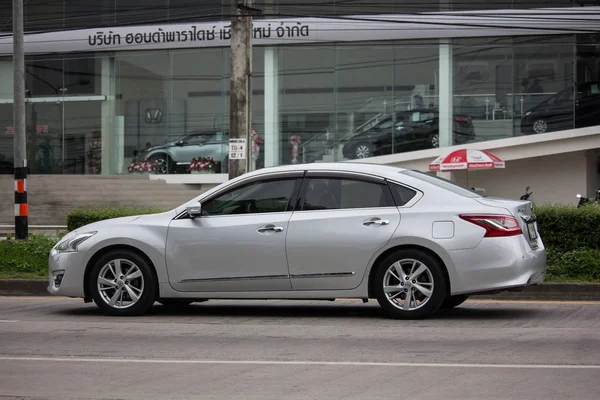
x=414, y=242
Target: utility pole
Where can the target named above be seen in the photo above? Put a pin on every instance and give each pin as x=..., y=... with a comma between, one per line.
x=20, y=155
x=240, y=96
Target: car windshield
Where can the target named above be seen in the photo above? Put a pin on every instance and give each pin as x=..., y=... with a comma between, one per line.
x=442, y=183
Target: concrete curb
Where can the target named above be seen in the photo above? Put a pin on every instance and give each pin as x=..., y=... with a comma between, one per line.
x=545, y=291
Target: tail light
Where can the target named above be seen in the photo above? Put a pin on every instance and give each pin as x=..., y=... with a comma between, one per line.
x=495, y=225
x=461, y=119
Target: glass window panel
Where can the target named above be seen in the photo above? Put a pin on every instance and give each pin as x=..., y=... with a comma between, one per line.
x=307, y=102
x=134, y=12
x=197, y=11
x=85, y=14
x=40, y=15
x=261, y=197
x=543, y=79
x=143, y=91
x=333, y=194
x=483, y=87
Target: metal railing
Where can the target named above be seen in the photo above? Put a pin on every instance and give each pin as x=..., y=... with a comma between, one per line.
x=56, y=229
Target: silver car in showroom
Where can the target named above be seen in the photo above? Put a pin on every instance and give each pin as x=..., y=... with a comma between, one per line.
x=414, y=242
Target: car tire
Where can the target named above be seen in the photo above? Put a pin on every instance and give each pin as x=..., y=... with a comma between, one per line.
x=434, y=141
x=540, y=125
x=362, y=150
x=122, y=283
x=165, y=162
x=454, y=301
x=426, y=273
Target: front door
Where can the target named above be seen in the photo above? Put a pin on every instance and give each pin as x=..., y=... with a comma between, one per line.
x=238, y=244
x=343, y=221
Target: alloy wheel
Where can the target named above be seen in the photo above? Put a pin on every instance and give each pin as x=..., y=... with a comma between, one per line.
x=120, y=283
x=408, y=284
x=540, y=126
x=163, y=165
x=363, y=151
x=435, y=140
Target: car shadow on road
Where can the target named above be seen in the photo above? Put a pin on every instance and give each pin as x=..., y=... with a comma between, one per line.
x=270, y=309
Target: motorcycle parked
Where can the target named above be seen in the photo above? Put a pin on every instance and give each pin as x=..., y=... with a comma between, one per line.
x=527, y=194
x=588, y=200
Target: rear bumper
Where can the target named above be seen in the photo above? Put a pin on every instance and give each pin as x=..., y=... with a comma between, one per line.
x=498, y=264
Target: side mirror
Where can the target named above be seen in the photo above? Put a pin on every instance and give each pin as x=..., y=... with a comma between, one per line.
x=179, y=143
x=194, y=211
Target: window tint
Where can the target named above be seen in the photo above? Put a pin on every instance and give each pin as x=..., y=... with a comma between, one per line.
x=442, y=183
x=332, y=194
x=401, y=194
x=261, y=197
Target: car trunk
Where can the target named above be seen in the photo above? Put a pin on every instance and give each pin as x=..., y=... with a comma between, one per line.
x=522, y=210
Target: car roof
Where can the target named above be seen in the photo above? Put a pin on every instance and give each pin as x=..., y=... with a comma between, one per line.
x=374, y=169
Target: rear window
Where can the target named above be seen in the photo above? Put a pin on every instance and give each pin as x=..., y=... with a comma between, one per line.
x=442, y=183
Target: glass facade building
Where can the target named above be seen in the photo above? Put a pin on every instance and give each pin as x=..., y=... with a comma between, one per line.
x=96, y=111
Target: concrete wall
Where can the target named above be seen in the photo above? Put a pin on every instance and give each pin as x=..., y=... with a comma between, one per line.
x=51, y=197
x=552, y=179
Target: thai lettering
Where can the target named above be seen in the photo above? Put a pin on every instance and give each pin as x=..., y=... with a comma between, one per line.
x=193, y=33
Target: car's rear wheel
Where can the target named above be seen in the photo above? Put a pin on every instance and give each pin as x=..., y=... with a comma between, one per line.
x=363, y=150
x=435, y=141
x=410, y=284
x=454, y=301
x=540, y=126
x=122, y=283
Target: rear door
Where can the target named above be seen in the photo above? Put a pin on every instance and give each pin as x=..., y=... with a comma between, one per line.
x=340, y=223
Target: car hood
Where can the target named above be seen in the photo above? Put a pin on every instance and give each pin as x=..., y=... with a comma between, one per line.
x=104, y=223
x=160, y=147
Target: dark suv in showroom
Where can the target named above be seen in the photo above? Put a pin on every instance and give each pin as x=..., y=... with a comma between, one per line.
x=560, y=112
x=413, y=130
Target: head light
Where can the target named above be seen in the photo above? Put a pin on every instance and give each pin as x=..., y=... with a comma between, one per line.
x=528, y=113
x=70, y=245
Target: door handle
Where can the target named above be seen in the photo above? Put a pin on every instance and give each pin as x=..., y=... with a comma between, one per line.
x=376, y=221
x=270, y=228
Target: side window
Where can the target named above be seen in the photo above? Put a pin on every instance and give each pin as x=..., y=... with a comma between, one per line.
x=334, y=194
x=260, y=197
x=401, y=194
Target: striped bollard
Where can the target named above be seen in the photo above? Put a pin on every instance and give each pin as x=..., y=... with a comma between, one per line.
x=21, y=207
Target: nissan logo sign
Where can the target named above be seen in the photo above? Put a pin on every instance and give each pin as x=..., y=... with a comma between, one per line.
x=153, y=115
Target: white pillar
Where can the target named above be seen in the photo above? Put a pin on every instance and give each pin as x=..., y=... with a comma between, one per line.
x=446, y=92
x=272, y=139
x=110, y=152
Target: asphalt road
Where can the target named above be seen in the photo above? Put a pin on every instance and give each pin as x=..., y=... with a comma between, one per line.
x=64, y=349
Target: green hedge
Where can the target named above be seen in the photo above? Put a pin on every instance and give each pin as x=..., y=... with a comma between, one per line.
x=25, y=258
x=83, y=216
x=568, y=228
x=571, y=236
x=581, y=265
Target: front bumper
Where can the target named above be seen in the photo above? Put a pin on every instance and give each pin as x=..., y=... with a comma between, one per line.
x=498, y=264
x=66, y=274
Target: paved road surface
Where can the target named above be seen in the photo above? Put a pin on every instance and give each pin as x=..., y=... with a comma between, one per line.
x=64, y=349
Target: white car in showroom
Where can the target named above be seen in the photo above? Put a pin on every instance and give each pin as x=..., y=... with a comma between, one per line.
x=414, y=242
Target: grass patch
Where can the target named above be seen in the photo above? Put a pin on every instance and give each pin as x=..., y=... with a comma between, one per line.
x=21, y=259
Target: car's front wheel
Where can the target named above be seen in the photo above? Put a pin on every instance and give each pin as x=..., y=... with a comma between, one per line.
x=410, y=284
x=122, y=283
